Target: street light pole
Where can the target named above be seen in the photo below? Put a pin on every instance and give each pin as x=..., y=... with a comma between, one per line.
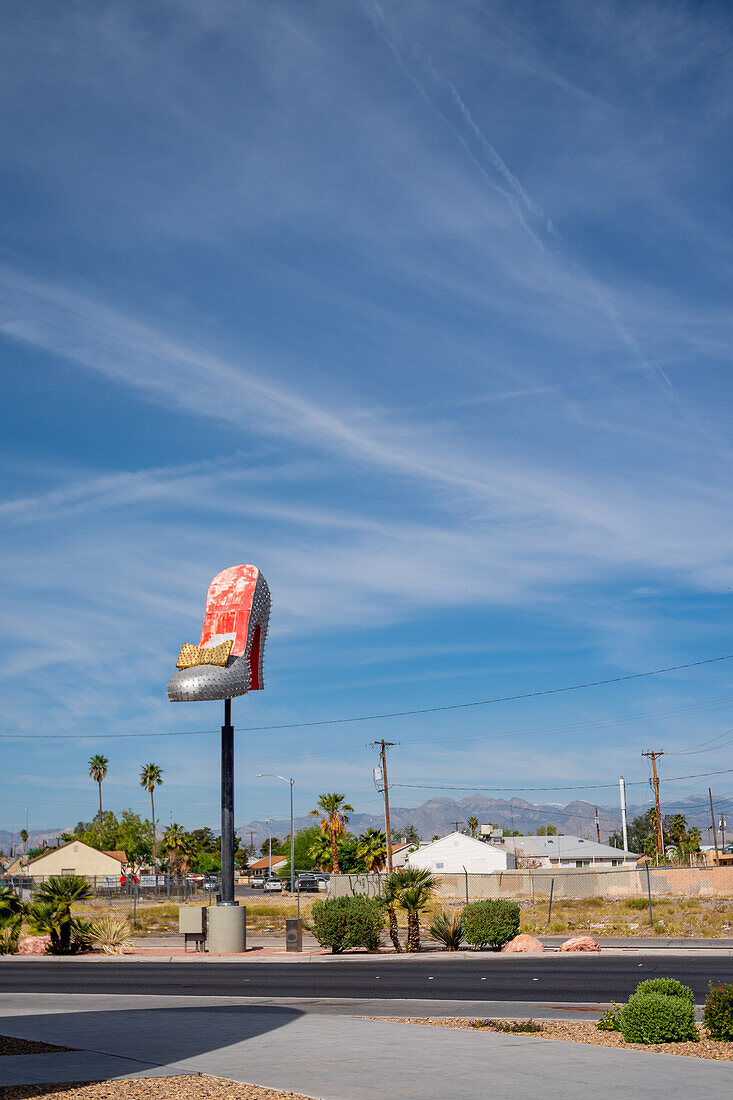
x=291, y=782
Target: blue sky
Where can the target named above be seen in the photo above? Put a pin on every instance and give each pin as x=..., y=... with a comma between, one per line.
x=424, y=308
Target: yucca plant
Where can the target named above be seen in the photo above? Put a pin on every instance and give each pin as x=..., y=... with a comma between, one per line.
x=50, y=914
x=111, y=933
x=447, y=928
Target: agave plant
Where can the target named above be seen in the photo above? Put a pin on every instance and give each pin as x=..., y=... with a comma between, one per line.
x=111, y=933
x=51, y=915
x=447, y=928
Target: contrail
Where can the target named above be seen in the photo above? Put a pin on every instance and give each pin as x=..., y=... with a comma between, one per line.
x=519, y=200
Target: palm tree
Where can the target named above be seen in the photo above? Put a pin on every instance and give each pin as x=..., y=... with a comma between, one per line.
x=51, y=912
x=472, y=825
x=178, y=848
x=372, y=848
x=151, y=777
x=24, y=838
x=320, y=852
x=390, y=894
x=413, y=888
x=97, y=772
x=335, y=817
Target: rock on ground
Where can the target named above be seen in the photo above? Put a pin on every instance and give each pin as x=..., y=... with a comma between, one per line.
x=524, y=942
x=33, y=945
x=580, y=943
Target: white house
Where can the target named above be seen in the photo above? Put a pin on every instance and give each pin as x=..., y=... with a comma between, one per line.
x=566, y=851
x=456, y=853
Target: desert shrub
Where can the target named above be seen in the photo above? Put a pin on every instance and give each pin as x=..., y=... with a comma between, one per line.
x=637, y=903
x=668, y=987
x=111, y=933
x=718, y=1016
x=340, y=923
x=655, y=1018
x=10, y=926
x=490, y=923
x=509, y=1027
x=447, y=928
x=50, y=914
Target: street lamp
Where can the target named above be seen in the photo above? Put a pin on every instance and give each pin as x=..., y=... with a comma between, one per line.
x=291, y=782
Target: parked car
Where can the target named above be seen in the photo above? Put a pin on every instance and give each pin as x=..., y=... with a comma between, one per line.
x=210, y=884
x=308, y=884
x=272, y=886
x=257, y=881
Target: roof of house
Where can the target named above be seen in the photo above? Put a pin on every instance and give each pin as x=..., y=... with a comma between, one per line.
x=115, y=855
x=263, y=863
x=471, y=841
x=562, y=847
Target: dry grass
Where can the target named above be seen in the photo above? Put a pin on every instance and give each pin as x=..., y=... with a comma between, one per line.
x=707, y=918
x=149, y=1088
x=583, y=1031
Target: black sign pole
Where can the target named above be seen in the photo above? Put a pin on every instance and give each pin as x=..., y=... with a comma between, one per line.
x=227, y=807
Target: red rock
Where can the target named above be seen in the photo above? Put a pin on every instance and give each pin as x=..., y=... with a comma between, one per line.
x=33, y=945
x=524, y=943
x=580, y=943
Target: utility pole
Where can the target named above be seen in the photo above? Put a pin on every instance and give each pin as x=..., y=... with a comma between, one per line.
x=660, y=838
x=598, y=828
x=723, y=824
x=383, y=746
x=457, y=823
x=712, y=818
x=622, y=788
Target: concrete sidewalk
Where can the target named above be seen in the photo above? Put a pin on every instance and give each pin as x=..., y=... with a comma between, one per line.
x=312, y=1050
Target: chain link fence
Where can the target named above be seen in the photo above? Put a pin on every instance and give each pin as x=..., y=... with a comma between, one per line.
x=125, y=890
x=613, y=883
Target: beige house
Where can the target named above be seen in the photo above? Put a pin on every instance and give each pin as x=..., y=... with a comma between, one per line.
x=77, y=858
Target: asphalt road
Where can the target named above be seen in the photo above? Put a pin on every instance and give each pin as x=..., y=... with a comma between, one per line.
x=582, y=978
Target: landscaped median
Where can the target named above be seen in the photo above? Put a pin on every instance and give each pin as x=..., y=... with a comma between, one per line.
x=148, y=1088
x=659, y=1017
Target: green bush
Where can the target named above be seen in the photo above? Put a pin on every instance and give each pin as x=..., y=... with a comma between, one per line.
x=340, y=923
x=668, y=987
x=655, y=1018
x=490, y=923
x=718, y=1016
x=609, y=1020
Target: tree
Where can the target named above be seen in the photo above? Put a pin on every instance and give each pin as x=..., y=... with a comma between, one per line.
x=334, y=811
x=406, y=834
x=151, y=777
x=97, y=772
x=50, y=913
x=265, y=846
x=175, y=842
x=547, y=830
x=321, y=853
x=24, y=838
x=412, y=888
x=305, y=839
x=372, y=848
x=472, y=824
x=134, y=838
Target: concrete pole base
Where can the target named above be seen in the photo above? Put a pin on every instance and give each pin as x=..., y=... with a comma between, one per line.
x=227, y=932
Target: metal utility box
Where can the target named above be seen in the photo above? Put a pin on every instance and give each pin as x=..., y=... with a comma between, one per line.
x=192, y=925
x=294, y=934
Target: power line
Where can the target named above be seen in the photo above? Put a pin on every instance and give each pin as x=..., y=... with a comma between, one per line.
x=391, y=714
x=576, y=787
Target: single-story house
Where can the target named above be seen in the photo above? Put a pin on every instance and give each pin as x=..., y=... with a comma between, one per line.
x=77, y=858
x=400, y=853
x=456, y=853
x=566, y=851
x=264, y=866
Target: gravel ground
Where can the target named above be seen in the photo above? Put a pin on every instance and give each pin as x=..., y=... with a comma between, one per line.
x=26, y=1046
x=149, y=1088
x=586, y=1032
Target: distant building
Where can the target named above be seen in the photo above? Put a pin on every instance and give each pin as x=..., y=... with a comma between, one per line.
x=76, y=858
x=456, y=853
x=265, y=866
x=400, y=852
x=565, y=851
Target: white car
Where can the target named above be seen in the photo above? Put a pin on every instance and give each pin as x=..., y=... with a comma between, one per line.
x=257, y=881
x=273, y=886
